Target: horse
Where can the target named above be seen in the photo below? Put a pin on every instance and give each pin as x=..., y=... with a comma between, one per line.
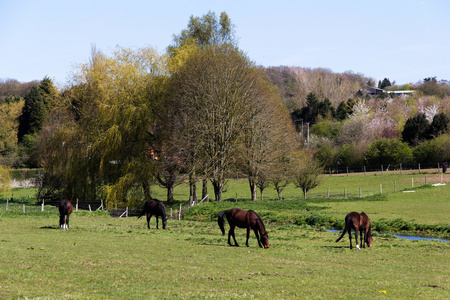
x=360, y=223
x=156, y=208
x=244, y=219
x=65, y=209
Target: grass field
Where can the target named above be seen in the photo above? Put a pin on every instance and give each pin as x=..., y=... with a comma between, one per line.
x=101, y=257
x=110, y=258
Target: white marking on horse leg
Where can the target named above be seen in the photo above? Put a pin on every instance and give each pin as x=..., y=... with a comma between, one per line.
x=357, y=247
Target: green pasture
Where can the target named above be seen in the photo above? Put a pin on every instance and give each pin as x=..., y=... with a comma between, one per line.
x=101, y=257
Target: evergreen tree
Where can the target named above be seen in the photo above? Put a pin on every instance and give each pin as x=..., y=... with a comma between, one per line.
x=439, y=125
x=48, y=92
x=416, y=130
x=385, y=83
x=33, y=114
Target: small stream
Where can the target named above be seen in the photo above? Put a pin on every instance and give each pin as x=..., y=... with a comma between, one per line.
x=414, y=238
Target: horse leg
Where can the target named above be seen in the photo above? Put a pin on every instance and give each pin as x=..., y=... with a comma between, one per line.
x=231, y=233
x=157, y=222
x=356, y=238
x=350, y=238
x=248, y=236
x=257, y=237
x=229, y=237
x=363, y=241
x=61, y=221
x=67, y=222
x=149, y=216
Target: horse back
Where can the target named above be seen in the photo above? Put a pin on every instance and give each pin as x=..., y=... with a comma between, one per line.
x=237, y=217
x=352, y=220
x=156, y=208
x=65, y=207
x=364, y=221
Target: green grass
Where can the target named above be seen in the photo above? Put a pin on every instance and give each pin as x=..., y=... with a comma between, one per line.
x=109, y=258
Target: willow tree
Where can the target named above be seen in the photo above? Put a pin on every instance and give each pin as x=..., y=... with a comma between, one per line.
x=115, y=102
x=215, y=96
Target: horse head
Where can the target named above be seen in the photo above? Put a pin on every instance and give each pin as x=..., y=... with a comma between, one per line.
x=265, y=240
x=369, y=239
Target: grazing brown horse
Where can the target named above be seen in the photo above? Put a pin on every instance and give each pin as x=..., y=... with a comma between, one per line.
x=154, y=208
x=244, y=219
x=360, y=223
x=65, y=209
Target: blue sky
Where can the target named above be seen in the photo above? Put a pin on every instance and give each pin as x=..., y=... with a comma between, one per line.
x=403, y=40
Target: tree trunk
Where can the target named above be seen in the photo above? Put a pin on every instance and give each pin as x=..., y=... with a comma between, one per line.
x=170, y=188
x=192, y=189
x=205, y=189
x=279, y=191
x=218, y=189
x=261, y=191
x=147, y=191
x=252, y=183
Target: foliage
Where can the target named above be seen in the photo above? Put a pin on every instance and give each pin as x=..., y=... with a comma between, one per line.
x=106, y=144
x=389, y=152
x=435, y=150
x=385, y=83
x=5, y=179
x=9, y=115
x=217, y=98
x=33, y=114
x=416, y=130
x=307, y=176
x=205, y=30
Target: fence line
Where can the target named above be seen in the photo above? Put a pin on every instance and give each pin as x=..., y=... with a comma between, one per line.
x=178, y=212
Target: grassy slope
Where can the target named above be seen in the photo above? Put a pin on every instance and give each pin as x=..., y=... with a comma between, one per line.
x=110, y=258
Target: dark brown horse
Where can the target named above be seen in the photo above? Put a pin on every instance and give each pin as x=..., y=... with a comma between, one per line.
x=360, y=223
x=154, y=208
x=244, y=219
x=65, y=209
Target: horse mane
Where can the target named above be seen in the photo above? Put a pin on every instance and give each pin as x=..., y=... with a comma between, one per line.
x=260, y=221
x=163, y=209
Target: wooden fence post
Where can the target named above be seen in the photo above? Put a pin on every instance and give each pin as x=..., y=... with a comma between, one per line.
x=76, y=209
x=179, y=213
x=24, y=207
x=42, y=209
x=412, y=182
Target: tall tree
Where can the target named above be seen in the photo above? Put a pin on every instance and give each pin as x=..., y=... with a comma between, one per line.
x=204, y=31
x=33, y=114
x=215, y=96
x=116, y=103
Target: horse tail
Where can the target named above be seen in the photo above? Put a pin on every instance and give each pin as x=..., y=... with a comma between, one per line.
x=346, y=228
x=221, y=221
